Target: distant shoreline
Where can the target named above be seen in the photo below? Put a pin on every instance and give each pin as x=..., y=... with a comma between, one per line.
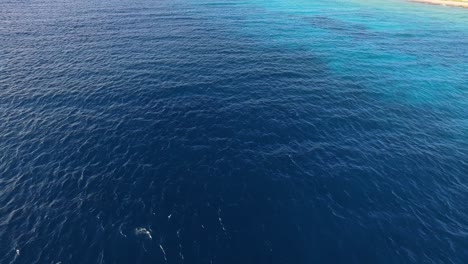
x=444, y=2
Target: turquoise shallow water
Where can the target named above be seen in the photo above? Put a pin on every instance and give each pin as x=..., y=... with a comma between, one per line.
x=418, y=52
x=231, y=131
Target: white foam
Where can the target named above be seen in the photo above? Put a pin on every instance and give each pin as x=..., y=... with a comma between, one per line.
x=163, y=251
x=143, y=231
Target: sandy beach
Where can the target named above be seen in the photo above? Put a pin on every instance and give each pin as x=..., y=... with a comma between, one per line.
x=459, y=3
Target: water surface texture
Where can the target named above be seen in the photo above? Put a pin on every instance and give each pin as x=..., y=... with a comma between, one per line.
x=226, y=131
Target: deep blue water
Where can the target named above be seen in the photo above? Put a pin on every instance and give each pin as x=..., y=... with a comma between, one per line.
x=225, y=131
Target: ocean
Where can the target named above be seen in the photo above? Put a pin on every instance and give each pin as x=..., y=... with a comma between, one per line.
x=233, y=131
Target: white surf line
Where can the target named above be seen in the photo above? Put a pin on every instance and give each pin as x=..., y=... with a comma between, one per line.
x=443, y=3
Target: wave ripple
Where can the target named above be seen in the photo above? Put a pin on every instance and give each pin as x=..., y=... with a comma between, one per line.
x=232, y=132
